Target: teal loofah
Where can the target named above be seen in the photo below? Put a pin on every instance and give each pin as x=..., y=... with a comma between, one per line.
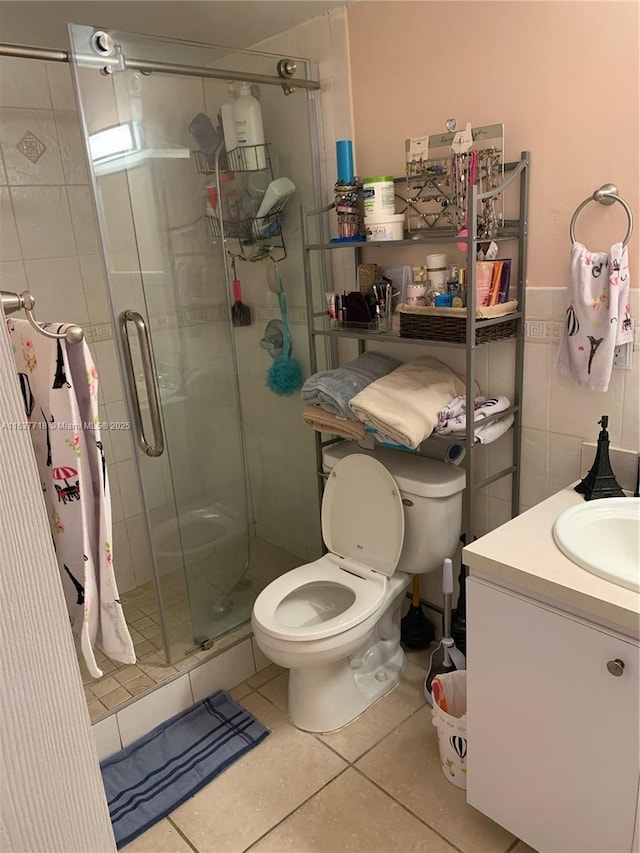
x=284, y=377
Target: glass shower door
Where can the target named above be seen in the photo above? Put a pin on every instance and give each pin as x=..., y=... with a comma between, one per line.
x=171, y=325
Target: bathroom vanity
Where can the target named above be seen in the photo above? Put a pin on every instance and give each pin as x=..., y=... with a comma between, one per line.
x=553, y=691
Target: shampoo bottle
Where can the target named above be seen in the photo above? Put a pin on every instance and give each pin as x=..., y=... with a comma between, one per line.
x=249, y=131
x=227, y=111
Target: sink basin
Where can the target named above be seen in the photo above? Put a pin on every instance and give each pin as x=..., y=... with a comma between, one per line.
x=603, y=537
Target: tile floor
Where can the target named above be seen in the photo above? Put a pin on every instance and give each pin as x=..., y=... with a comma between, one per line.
x=376, y=786
x=121, y=682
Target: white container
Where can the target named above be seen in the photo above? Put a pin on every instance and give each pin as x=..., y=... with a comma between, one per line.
x=379, y=196
x=380, y=229
x=249, y=130
x=415, y=294
x=437, y=272
x=273, y=201
x=452, y=738
x=227, y=112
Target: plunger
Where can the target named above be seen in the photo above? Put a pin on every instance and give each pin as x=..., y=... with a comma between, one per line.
x=416, y=631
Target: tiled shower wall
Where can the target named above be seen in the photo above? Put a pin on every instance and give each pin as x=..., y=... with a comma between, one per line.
x=49, y=245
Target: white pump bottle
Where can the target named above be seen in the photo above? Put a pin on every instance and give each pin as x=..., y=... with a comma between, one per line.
x=227, y=112
x=249, y=130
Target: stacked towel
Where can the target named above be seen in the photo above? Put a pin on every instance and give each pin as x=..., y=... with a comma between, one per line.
x=404, y=405
x=323, y=421
x=452, y=419
x=486, y=433
x=333, y=389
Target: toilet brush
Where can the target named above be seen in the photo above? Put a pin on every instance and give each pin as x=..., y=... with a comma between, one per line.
x=446, y=657
x=416, y=631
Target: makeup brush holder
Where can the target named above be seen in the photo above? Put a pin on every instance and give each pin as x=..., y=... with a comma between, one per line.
x=347, y=204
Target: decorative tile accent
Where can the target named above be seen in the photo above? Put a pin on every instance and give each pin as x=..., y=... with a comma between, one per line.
x=31, y=147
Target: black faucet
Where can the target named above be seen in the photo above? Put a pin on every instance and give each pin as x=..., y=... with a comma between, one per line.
x=600, y=482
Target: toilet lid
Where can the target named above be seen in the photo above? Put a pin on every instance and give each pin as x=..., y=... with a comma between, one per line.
x=362, y=515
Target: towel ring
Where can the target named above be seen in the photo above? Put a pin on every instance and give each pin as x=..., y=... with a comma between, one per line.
x=607, y=194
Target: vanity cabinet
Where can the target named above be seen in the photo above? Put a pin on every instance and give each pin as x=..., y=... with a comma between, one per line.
x=553, y=723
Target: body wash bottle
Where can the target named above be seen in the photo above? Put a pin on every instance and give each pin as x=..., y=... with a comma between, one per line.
x=227, y=112
x=249, y=131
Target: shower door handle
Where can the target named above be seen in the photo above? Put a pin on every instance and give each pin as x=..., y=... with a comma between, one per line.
x=157, y=448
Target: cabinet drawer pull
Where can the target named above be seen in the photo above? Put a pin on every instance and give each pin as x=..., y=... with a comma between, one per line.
x=615, y=667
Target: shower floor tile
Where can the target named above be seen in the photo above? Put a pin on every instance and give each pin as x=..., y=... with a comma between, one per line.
x=140, y=606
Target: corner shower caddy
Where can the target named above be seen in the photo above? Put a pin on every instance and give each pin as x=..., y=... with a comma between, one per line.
x=264, y=234
x=478, y=332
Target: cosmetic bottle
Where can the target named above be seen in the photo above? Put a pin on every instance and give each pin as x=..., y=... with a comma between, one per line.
x=227, y=112
x=249, y=130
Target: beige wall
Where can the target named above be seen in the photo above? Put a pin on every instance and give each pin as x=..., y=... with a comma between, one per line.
x=562, y=76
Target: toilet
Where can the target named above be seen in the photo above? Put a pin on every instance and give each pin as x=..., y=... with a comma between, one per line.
x=335, y=622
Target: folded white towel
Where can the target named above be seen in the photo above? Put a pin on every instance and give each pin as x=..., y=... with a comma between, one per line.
x=486, y=433
x=598, y=315
x=458, y=425
x=404, y=405
x=457, y=407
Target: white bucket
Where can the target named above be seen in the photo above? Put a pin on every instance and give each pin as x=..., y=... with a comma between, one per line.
x=380, y=228
x=452, y=736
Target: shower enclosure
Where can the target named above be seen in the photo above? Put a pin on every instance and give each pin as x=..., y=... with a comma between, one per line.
x=219, y=460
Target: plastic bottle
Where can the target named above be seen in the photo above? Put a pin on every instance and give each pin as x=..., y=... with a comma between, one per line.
x=249, y=130
x=227, y=111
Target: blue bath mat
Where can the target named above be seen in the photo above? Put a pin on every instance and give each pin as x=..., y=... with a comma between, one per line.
x=152, y=777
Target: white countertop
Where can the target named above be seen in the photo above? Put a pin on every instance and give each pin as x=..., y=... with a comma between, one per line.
x=522, y=553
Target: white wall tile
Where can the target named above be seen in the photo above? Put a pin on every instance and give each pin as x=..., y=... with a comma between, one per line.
x=3, y=173
x=223, y=672
x=84, y=221
x=44, y=225
x=539, y=302
x=60, y=85
x=564, y=461
x=129, y=488
x=9, y=244
x=71, y=146
x=95, y=289
x=110, y=386
x=23, y=83
x=12, y=276
x=140, y=549
x=121, y=439
x=535, y=455
x=15, y=124
x=107, y=737
x=56, y=284
x=630, y=436
x=575, y=410
x=149, y=711
x=499, y=513
x=536, y=385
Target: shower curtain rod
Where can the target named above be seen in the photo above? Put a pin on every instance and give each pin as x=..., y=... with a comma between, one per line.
x=51, y=55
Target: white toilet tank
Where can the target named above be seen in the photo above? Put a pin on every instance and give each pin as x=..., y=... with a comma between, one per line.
x=432, y=499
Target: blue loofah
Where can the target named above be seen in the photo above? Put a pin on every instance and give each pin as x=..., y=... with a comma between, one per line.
x=284, y=377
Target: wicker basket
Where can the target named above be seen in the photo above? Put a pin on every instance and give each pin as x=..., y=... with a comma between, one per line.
x=446, y=324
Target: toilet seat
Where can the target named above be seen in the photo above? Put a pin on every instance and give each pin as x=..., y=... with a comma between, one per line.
x=363, y=525
x=313, y=585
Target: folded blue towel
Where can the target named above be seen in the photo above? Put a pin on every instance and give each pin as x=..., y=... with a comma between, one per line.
x=332, y=389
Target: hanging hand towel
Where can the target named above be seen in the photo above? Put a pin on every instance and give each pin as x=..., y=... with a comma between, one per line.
x=59, y=385
x=598, y=315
